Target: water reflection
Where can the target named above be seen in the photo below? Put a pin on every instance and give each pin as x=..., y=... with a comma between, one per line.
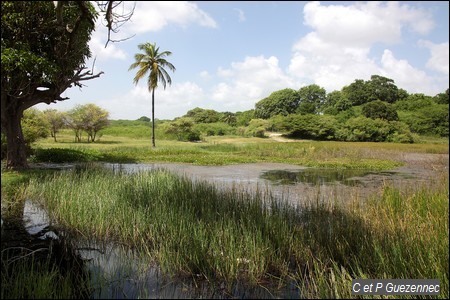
x=118, y=272
x=318, y=176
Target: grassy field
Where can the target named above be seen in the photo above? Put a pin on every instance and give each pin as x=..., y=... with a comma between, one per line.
x=230, y=150
x=225, y=236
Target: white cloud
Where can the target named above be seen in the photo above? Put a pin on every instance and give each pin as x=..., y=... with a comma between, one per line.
x=338, y=50
x=249, y=81
x=328, y=65
x=241, y=14
x=439, y=60
x=174, y=101
x=98, y=42
x=363, y=24
x=406, y=76
x=221, y=72
x=154, y=15
x=205, y=75
x=147, y=16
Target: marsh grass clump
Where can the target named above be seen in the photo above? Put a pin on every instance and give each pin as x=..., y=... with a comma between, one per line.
x=29, y=278
x=33, y=268
x=400, y=235
x=190, y=227
x=194, y=228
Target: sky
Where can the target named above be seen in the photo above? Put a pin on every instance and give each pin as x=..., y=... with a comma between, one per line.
x=229, y=55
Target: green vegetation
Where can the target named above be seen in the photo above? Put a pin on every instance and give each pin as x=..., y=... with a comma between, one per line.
x=30, y=279
x=400, y=235
x=153, y=62
x=365, y=111
x=37, y=54
x=231, y=236
x=193, y=228
x=129, y=141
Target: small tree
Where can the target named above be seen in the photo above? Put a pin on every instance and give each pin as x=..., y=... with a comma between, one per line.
x=94, y=120
x=282, y=102
x=34, y=126
x=312, y=98
x=183, y=129
x=144, y=119
x=74, y=121
x=56, y=120
x=89, y=118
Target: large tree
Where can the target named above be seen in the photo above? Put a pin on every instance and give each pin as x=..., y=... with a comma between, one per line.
x=153, y=62
x=282, y=102
x=312, y=99
x=382, y=88
x=43, y=54
x=44, y=48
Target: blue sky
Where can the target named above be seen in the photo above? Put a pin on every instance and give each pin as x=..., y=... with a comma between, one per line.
x=229, y=55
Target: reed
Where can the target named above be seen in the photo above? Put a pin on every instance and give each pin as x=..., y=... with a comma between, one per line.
x=195, y=228
x=29, y=276
x=402, y=235
x=189, y=227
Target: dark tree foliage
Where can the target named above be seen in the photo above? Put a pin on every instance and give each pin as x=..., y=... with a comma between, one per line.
x=382, y=88
x=312, y=99
x=442, y=98
x=200, y=115
x=380, y=110
x=282, y=102
x=44, y=48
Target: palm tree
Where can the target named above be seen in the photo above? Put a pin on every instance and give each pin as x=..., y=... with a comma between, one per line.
x=152, y=61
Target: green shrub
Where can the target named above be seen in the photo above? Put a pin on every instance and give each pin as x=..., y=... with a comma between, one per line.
x=59, y=155
x=217, y=128
x=256, y=128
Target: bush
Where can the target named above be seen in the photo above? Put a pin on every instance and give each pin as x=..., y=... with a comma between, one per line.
x=380, y=110
x=183, y=129
x=58, y=155
x=311, y=126
x=362, y=129
x=257, y=128
x=218, y=128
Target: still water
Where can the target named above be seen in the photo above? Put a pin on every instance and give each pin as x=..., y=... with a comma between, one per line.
x=116, y=272
x=119, y=273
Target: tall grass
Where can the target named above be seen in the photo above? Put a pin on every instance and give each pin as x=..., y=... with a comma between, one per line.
x=189, y=227
x=194, y=228
x=402, y=235
x=32, y=279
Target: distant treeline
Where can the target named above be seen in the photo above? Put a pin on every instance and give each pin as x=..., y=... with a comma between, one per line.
x=372, y=110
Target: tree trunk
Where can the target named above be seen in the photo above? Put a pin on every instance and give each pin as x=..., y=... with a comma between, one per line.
x=153, y=117
x=16, y=156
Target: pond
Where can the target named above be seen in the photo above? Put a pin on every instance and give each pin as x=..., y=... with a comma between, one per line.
x=293, y=183
x=320, y=176
x=119, y=273
x=116, y=272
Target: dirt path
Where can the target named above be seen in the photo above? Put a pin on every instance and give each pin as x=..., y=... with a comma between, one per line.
x=279, y=138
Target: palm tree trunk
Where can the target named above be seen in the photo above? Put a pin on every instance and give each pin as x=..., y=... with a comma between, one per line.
x=153, y=117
